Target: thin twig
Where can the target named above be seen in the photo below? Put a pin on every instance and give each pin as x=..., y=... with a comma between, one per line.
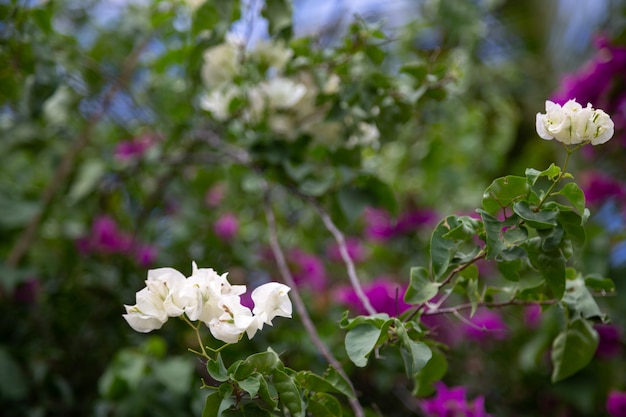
x=345, y=255
x=299, y=303
x=491, y=304
x=68, y=162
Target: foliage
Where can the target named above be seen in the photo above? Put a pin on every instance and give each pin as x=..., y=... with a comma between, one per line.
x=160, y=136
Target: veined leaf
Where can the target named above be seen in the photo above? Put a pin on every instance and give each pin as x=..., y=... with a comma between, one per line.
x=573, y=349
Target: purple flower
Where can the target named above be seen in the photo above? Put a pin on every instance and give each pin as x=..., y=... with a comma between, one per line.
x=610, y=345
x=486, y=324
x=145, y=255
x=451, y=402
x=227, y=226
x=379, y=226
x=215, y=195
x=107, y=238
x=410, y=221
x=532, y=316
x=354, y=247
x=600, y=187
x=384, y=295
x=616, y=403
x=308, y=270
x=135, y=147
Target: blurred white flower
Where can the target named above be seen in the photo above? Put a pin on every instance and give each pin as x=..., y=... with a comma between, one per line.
x=217, y=102
x=271, y=53
x=282, y=93
x=220, y=65
x=573, y=124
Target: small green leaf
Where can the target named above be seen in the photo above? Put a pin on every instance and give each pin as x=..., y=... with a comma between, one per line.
x=279, y=16
x=551, y=238
x=575, y=195
x=442, y=250
x=339, y=382
x=252, y=384
x=263, y=362
x=572, y=225
x=503, y=192
x=543, y=219
x=551, y=266
x=212, y=405
x=288, y=393
x=416, y=355
x=432, y=372
x=552, y=173
x=596, y=282
x=573, y=349
x=360, y=341
x=249, y=409
x=216, y=369
x=324, y=405
x=378, y=320
x=422, y=288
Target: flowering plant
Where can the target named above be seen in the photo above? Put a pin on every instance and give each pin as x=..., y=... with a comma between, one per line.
x=315, y=171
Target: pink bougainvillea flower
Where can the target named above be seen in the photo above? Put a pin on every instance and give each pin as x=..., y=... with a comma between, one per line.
x=452, y=402
x=616, y=403
x=486, y=324
x=379, y=226
x=599, y=187
x=136, y=147
x=308, y=270
x=215, y=195
x=610, y=344
x=385, y=296
x=227, y=226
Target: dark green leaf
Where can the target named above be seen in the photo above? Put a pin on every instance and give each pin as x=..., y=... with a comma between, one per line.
x=434, y=370
x=263, y=362
x=503, y=192
x=416, y=355
x=575, y=195
x=279, y=16
x=339, y=382
x=573, y=349
x=597, y=282
x=217, y=369
x=542, y=219
x=324, y=405
x=572, y=224
x=288, y=393
x=551, y=266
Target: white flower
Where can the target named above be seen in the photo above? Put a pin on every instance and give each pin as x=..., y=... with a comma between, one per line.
x=217, y=102
x=148, y=313
x=271, y=300
x=234, y=320
x=573, y=124
x=220, y=65
x=282, y=93
x=272, y=54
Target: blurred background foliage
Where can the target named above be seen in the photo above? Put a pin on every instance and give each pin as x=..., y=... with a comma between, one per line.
x=110, y=167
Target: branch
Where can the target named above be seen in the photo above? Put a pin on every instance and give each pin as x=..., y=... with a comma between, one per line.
x=299, y=303
x=343, y=250
x=68, y=162
x=468, y=306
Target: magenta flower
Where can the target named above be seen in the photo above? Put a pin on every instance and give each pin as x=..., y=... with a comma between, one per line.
x=135, y=148
x=378, y=224
x=106, y=237
x=600, y=187
x=452, y=402
x=412, y=220
x=610, y=344
x=486, y=324
x=308, y=270
x=355, y=248
x=616, y=403
x=385, y=296
x=215, y=195
x=532, y=316
x=145, y=255
x=227, y=226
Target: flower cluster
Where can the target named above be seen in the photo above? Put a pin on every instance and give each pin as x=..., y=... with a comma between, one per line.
x=452, y=402
x=573, y=124
x=208, y=297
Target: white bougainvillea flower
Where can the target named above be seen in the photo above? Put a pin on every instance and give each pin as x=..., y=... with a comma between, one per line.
x=148, y=313
x=271, y=300
x=217, y=102
x=282, y=93
x=573, y=124
x=271, y=53
x=221, y=64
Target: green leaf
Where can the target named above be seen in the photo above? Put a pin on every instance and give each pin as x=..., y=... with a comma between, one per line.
x=215, y=404
x=86, y=180
x=573, y=349
x=249, y=409
x=575, y=195
x=422, y=288
x=442, y=250
x=270, y=397
x=552, y=173
x=416, y=355
x=377, y=320
x=339, y=382
x=543, y=219
x=216, y=369
x=288, y=393
x=493, y=229
x=510, y=269
x=551, y=238
x=434, y=370
x=597, y=282
x=252, y=384
x=263, y=362
x=324, y=405
x=551, y=266
x=572, y=224
x=503, y=192
x=579, y=300
x=416, y=70
x=465, y=228
x=360, y=341
x=279, y=16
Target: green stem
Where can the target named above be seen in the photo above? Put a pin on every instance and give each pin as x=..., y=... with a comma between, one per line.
x=196, y=329
x=559, y=177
